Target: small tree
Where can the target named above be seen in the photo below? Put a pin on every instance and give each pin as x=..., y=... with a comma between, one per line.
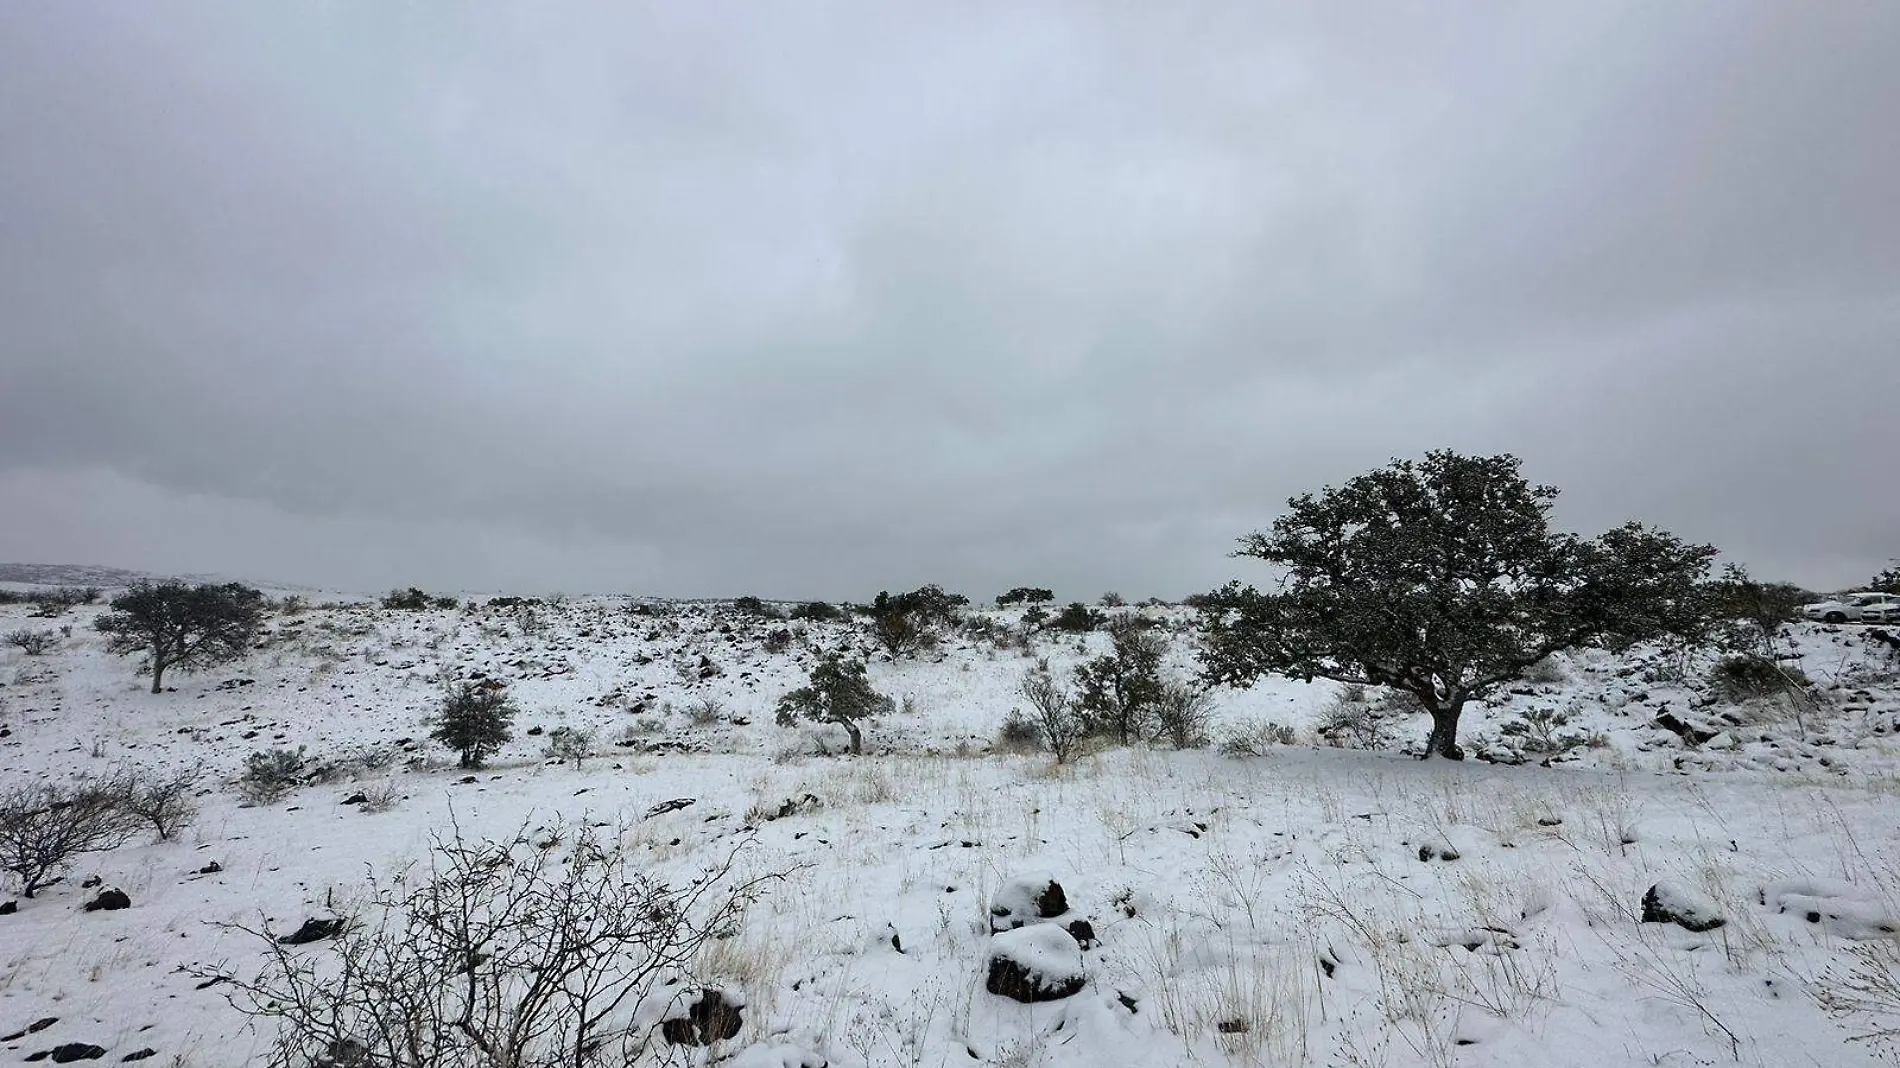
x=1024, y=595
x=839, y=692
x=474, y=720
x=1443, y=579
x=906, y=622
x=42, y=828
x=1887, y=581
x=1757, y=609
x=1052, y=711
x=1078, y=618
x=181, y=626
x=1117, y=694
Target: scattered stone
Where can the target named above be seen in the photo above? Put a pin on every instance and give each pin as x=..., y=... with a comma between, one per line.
x=90, y=882
x=1683, y=729
x=356, y=799
x=212, y=868
x=33, y=1028
x=140, y=1054
x=8, y=908
x=1040, y=962
x=674, y=805
x=1026, y=899
x=713, y=1017
x=1668, y=903
x=789, y=807
x=1441, y=851
x=313, y=930
x=109, y=901
x=70, y=1052
x=1084, y=933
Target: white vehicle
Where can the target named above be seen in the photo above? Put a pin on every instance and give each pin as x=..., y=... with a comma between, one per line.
x=1855, y=608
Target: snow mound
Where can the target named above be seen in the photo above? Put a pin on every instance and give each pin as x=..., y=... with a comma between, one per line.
x=1027, y=899
x=1843, y=908
x=1040, y=962
x=1668, y=902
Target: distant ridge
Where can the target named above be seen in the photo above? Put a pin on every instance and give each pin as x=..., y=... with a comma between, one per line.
x=71, y=575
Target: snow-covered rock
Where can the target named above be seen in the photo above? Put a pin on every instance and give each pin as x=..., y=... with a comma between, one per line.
x=1668, y=902
x=1040, y=962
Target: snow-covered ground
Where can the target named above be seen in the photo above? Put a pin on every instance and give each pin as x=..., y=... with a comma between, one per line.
x=1303, y=905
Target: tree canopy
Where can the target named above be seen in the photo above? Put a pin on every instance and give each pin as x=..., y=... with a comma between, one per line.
x=182, y=626
x=1442, y=578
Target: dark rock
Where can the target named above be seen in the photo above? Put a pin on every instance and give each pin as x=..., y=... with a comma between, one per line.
x=313, y=930
x=1026, y=899
x=35, y=1027
x=1683, y=729
x=710, y=1019
x=212, y=868
x=109, y=901
x=70, y=1052
x=1040, y=962
x=140, y=1054
x=1668, y=904
x=1429, y=852
x=8, y=908
x=1084, y=933
x=90, y=882
x=669, y=806
x=356, y=799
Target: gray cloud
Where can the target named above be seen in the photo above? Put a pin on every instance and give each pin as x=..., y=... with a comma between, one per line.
x=812, y=300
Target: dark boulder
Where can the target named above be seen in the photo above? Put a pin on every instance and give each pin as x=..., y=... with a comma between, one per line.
x=709, y=1019
x=109, y=901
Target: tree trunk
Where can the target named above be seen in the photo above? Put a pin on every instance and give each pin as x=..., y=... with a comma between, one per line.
x=1443, y=741
x=158, y=673
x=857, y=738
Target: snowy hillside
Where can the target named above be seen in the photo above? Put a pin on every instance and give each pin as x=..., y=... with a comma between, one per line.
x=1249, y=903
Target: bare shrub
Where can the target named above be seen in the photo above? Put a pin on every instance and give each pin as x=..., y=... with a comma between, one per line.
x=43, y=827
x=705, y=712
x=1183, y=712
x=271, y=773
x=497, y=954
x=32, y=642
x=1256, y=738
x=1355, y=719
x=1867, y=991
x=163, y=800
x=570, y=745
x=1052, y=711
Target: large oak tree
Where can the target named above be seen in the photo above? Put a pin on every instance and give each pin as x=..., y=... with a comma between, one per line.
x=1443, y=578
x=181, y=626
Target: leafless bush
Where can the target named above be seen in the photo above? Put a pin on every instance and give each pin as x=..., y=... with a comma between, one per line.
x=1868, y=991
x=270, y=774
x=570, y=745
x=1256, y=738
x=1183, y=712
x=497, y=955
x=43, y=827
x=1355, y=719
x=163, y=800
x=705, y=712
x=1052, y=711
x=32, y=642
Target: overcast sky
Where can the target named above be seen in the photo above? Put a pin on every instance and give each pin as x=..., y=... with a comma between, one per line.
x=813, y=299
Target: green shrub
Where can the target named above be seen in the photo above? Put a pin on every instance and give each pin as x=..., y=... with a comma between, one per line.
x=1745, y=678
x=474, y=720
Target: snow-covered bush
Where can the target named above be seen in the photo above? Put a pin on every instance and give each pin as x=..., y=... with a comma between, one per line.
x=271, y=773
